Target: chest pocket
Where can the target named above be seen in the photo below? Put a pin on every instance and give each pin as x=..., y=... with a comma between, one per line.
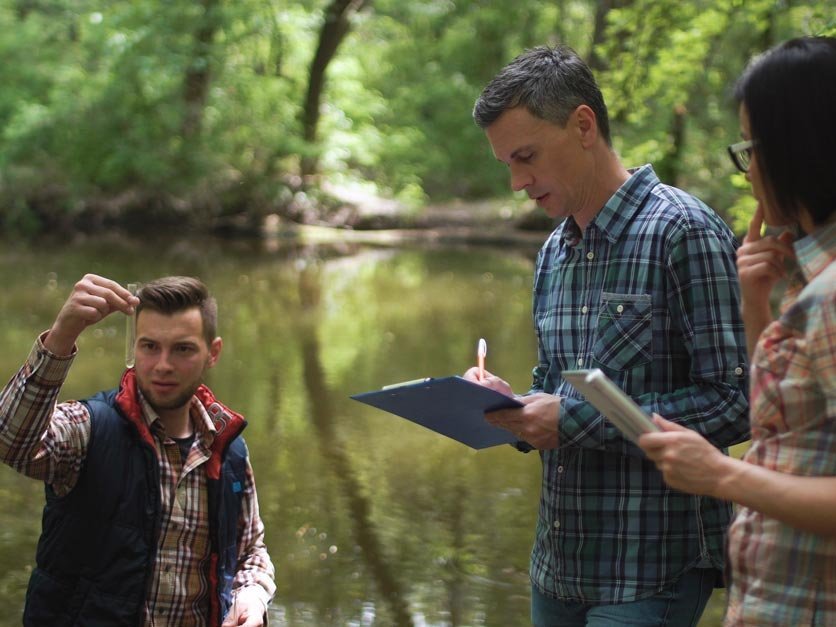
x=623, y=337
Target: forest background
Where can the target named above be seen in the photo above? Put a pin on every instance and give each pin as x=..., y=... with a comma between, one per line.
x=216, y=114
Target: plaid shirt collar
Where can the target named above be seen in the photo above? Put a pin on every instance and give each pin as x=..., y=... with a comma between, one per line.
x=619, y=210
x=816, y=251
x=205, y=430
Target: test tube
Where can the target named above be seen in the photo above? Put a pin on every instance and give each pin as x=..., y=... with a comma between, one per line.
x=130, y=330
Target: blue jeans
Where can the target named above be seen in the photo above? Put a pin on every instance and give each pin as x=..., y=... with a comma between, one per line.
x=680, y=605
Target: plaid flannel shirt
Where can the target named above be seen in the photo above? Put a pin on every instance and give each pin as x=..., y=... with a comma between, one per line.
x=49, y=442
x=649, y=294
x=780, y=575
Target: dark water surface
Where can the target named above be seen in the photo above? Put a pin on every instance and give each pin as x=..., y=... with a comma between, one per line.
x=370, y=519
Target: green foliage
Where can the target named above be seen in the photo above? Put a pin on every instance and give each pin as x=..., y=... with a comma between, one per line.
x=680, y=60
x=97, y=121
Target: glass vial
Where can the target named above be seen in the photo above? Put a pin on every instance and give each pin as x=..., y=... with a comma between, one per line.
x=130, y=330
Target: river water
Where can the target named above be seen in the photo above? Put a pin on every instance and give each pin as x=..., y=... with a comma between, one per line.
x=370, y=519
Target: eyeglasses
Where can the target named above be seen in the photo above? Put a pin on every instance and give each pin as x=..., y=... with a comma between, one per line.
x=741, y=154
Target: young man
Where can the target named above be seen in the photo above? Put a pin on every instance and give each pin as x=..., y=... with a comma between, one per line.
x=639, y=280
x=151, y=513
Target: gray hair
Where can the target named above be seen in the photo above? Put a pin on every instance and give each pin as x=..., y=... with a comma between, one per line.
x=550, y=83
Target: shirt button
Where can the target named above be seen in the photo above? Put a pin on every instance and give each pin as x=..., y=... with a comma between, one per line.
x=620, y=309
x=580, y=361
x=559, y=469
x=738, y=371
x=557, y=524
x=590, y=255
x=584, y=309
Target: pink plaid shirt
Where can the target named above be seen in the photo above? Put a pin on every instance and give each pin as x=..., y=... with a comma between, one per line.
x=780, y=575
x=49, y=442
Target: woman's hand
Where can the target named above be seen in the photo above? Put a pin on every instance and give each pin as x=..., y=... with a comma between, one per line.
x=687, y=461
x=760, y=265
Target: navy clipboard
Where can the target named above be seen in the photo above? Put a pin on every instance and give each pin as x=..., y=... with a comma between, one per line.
x=451, y=406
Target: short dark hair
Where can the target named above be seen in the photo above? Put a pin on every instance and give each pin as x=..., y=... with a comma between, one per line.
x=550, y=83
x=789, y=93
x=173, y=294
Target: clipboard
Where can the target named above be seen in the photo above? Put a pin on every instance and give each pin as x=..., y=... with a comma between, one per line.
x=611, y=401
x=451, y=406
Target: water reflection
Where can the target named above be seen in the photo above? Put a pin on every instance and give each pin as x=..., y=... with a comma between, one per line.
x=323, y=412
x=371, y=520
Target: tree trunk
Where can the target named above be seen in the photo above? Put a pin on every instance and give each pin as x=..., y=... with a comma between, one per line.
x=197, y=79
x=669, y=167
x=334, y=29
x=24, y=7
x=596, y=62
x=559, y=31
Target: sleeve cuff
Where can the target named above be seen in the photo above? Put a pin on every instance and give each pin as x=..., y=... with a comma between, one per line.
x=51, y=369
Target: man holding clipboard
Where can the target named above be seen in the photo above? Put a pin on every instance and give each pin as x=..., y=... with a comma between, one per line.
x=638, y=281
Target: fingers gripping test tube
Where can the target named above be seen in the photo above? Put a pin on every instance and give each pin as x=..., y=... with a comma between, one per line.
x=130, y=330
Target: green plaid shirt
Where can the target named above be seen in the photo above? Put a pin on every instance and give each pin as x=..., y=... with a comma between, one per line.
x=649, y=294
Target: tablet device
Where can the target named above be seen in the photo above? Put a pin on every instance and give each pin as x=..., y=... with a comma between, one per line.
x=611, y=401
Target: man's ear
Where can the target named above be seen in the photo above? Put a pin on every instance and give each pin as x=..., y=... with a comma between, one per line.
x=586, y=124
x=215, y=351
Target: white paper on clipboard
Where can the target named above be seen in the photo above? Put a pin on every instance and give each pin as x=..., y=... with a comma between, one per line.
x=611, y=401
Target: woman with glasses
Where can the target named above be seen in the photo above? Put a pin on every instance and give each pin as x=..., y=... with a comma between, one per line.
x=782, y=543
